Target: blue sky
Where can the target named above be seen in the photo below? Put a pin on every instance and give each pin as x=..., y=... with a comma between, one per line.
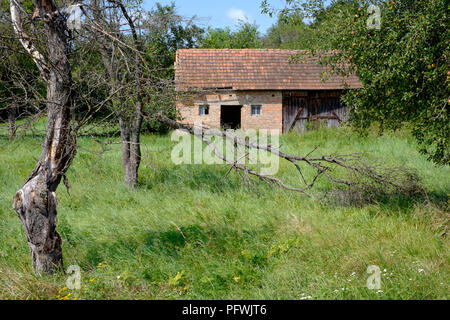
x=222, y=13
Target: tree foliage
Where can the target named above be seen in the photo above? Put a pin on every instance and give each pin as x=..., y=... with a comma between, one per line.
x=167, y=32
x=246, y=36
x=403, y=65
x=285, y=35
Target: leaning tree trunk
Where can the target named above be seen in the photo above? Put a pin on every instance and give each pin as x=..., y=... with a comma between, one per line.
x=35, y=203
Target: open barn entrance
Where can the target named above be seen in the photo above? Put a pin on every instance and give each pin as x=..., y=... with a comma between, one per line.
x=230, y=117
x=308, y=110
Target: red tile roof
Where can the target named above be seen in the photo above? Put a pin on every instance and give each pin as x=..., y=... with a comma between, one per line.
x=253, y=69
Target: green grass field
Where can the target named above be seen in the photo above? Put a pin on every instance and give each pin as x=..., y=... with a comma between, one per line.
x=185, y=234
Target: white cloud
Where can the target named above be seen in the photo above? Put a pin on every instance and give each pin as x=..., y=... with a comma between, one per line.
x=237, y=15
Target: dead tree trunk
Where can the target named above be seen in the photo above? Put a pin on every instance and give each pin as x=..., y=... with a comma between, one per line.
x=131, y=149
x=12, y=122
x=35, y=203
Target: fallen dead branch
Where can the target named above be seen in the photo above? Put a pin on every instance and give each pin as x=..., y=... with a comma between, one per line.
x=360, y=177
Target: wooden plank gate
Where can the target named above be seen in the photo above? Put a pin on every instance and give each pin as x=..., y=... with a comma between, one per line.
x=308, y=110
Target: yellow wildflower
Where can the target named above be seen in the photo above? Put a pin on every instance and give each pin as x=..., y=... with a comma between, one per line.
x=62, y=290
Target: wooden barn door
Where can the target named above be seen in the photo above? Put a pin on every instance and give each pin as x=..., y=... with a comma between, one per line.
x=303, y=111
x=295, y=111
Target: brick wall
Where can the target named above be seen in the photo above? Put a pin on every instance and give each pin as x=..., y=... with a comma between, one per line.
x=270, y=101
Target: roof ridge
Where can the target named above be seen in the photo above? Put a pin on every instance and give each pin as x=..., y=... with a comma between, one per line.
x=243, y=49
x=253, y=69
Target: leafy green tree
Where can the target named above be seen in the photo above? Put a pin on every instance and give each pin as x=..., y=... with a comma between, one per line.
x=403, y=65
x=295, y=35
x=217, y=38
x=247, y=36
x=167, y=32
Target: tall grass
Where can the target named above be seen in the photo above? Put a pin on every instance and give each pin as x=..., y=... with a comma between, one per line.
x=188, y=234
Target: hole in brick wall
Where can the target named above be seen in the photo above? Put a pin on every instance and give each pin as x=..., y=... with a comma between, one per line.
x=230, y=117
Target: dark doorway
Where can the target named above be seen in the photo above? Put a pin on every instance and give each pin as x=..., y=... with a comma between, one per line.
x=230, y=117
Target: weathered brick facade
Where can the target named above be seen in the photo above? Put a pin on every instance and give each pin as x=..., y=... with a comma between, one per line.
x=271, y=116
x=285, y=95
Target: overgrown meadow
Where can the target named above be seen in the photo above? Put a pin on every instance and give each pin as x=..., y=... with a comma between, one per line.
x=186, y=233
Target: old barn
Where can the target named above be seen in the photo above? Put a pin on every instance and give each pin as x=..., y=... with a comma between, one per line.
x=258, y=89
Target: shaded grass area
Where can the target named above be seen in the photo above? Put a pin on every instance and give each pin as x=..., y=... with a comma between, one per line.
x=185, y=234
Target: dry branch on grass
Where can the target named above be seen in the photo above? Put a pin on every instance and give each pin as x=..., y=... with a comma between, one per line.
x=360, y=179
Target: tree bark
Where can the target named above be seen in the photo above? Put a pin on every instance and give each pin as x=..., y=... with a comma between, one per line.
x=131, y=148
x=35, y=203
